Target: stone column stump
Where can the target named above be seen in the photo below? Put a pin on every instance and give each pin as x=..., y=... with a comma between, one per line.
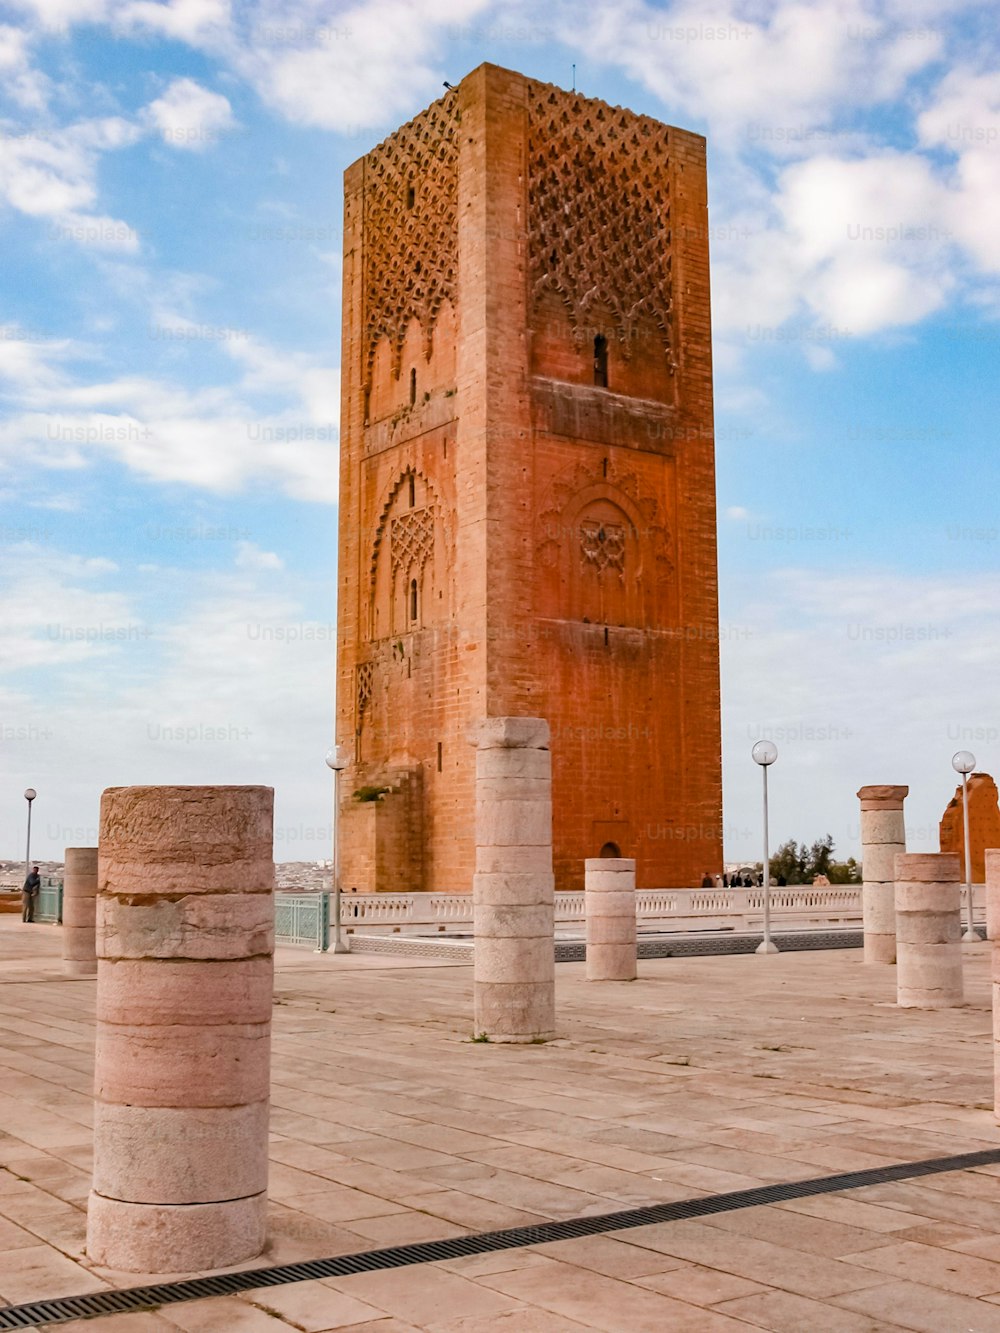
x=609, y=911
x=882, y=838
x=928, y=931
x=992, y=891
x=185, y=942
x=79, y=911
x=513, y=905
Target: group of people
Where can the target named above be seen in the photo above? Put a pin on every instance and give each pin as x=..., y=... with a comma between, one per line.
x=738, y=879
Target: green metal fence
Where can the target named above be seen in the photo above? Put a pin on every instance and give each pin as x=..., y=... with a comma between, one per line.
x=48, y=905
x=302, y=918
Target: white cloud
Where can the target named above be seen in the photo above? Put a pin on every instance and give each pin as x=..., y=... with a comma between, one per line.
x=964, y=120
x=218, y=438
x=362, y=65
x=23, y=84
x=250, y=556
x=189, y=116
x=197, y=22
x=51, y=175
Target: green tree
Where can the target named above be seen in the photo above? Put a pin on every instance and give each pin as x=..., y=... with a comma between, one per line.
x=818, y=858
x=845, y=872
x=799, y=863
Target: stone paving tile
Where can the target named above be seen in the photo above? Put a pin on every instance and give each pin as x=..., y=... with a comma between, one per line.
x=29, y=1271
x=925, y=1309
x=524, y=1319
x=699, y=1286
x=612, y=1256
x=810, y=1234
x=426, y=1295
x=792, y=1270
x=782, y=1312
x=401, y=1229
x=604, y=1303
x=145, y=1321
x=339, y=1203
x=221, y=1314
x=848, y=1209
x=471, y=1212
x=313, y=1306
x=967, y=1274
x=921, y=1201
x=946, y=1235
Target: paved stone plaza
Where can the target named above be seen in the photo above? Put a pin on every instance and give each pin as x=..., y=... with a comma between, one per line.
x=704, y=1076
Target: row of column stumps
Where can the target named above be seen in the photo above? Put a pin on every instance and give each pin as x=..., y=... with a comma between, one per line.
x=883, y=837
x=185, y=941
x=79, y=911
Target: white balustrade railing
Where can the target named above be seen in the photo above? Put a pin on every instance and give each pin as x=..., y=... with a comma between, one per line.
x=715, y=908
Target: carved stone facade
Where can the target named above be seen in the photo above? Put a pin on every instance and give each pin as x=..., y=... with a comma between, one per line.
x=527, y=482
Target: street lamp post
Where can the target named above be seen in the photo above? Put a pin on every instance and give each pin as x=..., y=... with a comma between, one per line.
x=336, y=762
x=765, y=753
x=29, y=796
x=964, y=762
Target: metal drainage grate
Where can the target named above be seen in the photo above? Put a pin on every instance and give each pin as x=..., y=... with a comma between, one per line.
x=131, y=1299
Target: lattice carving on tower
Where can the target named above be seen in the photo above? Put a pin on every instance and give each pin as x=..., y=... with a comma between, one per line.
x=411, y=540
x=599, y=212
x=365, y=685
x=602, y=546
x=384, y=526
x=411, y=239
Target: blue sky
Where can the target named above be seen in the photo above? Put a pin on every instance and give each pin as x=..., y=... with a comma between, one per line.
x=170, y=209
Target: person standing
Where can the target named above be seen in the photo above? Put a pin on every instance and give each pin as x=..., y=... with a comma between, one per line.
x=29, y=894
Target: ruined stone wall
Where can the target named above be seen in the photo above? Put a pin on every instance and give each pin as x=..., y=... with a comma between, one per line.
x=984, y=824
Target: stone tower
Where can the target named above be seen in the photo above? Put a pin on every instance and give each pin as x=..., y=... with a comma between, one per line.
x=527, y=505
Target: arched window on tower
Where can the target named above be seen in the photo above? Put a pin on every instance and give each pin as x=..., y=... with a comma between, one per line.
x=413, y=601
x=601, y=361
x=413, y=386
x=413, y=490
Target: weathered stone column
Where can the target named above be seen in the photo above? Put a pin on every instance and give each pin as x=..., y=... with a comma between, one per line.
x=928, y=931
x=513, y=908
x=609, y=911
x=185, y=941
x=882, y=837
x=79, y=911
x=992, y=891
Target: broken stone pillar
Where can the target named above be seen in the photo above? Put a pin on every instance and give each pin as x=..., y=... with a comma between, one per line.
x=79, y=911
x=609, y=911
x=513, y=905
x=882, y=837
x=928, y=931
x=185, y=941
x=992, y=858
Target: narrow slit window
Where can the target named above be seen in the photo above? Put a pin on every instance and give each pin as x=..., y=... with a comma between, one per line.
x=413, y=490
x=601, y=361
x=411, y=196
x=440, y=755
x=413, y=599
x=413, y=386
